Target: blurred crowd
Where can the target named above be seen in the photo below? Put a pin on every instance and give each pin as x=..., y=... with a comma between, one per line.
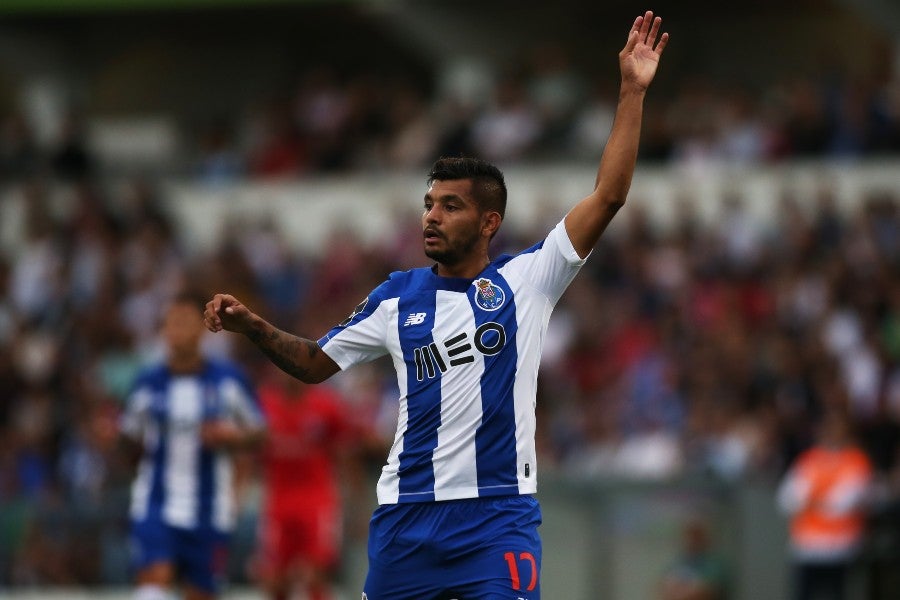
x=545, y=108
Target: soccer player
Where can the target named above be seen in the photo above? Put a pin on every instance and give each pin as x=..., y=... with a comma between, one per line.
x=185, y=417
x=311, y=436
x=456, y=516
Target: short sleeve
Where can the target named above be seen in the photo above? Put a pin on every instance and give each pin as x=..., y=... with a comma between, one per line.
x=549, y=266
x=361, y=337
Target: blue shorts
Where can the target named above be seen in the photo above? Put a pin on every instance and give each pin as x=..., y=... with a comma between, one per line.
x=199, y=556
x=473, y=549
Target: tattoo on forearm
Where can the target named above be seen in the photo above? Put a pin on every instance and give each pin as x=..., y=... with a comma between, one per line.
x=286, y=351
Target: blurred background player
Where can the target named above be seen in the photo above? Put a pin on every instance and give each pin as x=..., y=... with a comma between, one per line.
x=310, y=445
x=186, y=416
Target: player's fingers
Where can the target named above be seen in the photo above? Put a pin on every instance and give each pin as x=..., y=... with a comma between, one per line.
x=215, y=304
x=225, y=302
x=635, y=26
x=654, y=31
x=631, y=43
x=645, y=25
x=663, y=40
x=213, y=309
x=234, y=307
x=209, y=312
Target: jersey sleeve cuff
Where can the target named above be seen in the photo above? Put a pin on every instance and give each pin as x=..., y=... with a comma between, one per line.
x=565, y=245
x=342, y=360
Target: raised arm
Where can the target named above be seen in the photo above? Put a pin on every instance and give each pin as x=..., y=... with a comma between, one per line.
x=296, y=356
x=637, y=62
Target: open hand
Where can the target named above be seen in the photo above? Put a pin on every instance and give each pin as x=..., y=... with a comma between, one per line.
x=640, y=56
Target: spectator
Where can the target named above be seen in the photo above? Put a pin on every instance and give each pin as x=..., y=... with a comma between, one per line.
x=824, y=493
x=508, y=130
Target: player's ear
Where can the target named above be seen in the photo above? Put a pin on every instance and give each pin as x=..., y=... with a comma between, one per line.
x=490, y=223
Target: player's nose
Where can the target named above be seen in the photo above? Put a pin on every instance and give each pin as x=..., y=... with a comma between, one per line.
x=432, y=215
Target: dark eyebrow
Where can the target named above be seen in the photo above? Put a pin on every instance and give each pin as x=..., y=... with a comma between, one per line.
x=445, y=197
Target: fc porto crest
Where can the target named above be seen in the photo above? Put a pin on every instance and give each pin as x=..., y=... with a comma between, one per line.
x=488, y=295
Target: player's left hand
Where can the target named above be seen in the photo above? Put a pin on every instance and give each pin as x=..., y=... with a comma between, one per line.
x=640, y=56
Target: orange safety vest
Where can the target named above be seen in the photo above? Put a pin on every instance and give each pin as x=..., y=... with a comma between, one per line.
x=828, y=472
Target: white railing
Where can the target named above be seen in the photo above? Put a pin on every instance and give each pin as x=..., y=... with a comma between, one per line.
x=369, y=205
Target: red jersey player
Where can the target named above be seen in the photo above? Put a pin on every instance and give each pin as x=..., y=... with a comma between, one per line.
x=310, y=432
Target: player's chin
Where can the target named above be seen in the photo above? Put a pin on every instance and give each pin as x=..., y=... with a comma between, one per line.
x=435, y=250
x=445, y=258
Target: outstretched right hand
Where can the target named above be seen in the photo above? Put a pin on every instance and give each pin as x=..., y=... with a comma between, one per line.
x=226, y=312
x=639, y=58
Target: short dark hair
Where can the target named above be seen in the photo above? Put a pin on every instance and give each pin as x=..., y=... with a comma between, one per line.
x=488, y=185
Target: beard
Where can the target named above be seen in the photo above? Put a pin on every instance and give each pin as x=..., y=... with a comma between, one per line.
x=455, y=250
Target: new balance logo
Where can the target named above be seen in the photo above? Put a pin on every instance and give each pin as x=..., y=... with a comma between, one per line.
x=415, y=319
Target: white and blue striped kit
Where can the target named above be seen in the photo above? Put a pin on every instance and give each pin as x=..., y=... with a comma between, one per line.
x=179, y=482
x=467, y=353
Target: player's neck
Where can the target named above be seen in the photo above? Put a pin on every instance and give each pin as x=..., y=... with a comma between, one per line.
x=468, y=269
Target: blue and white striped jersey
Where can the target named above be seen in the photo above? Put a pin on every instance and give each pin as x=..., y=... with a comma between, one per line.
x=466, y=352
x=180, y=482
